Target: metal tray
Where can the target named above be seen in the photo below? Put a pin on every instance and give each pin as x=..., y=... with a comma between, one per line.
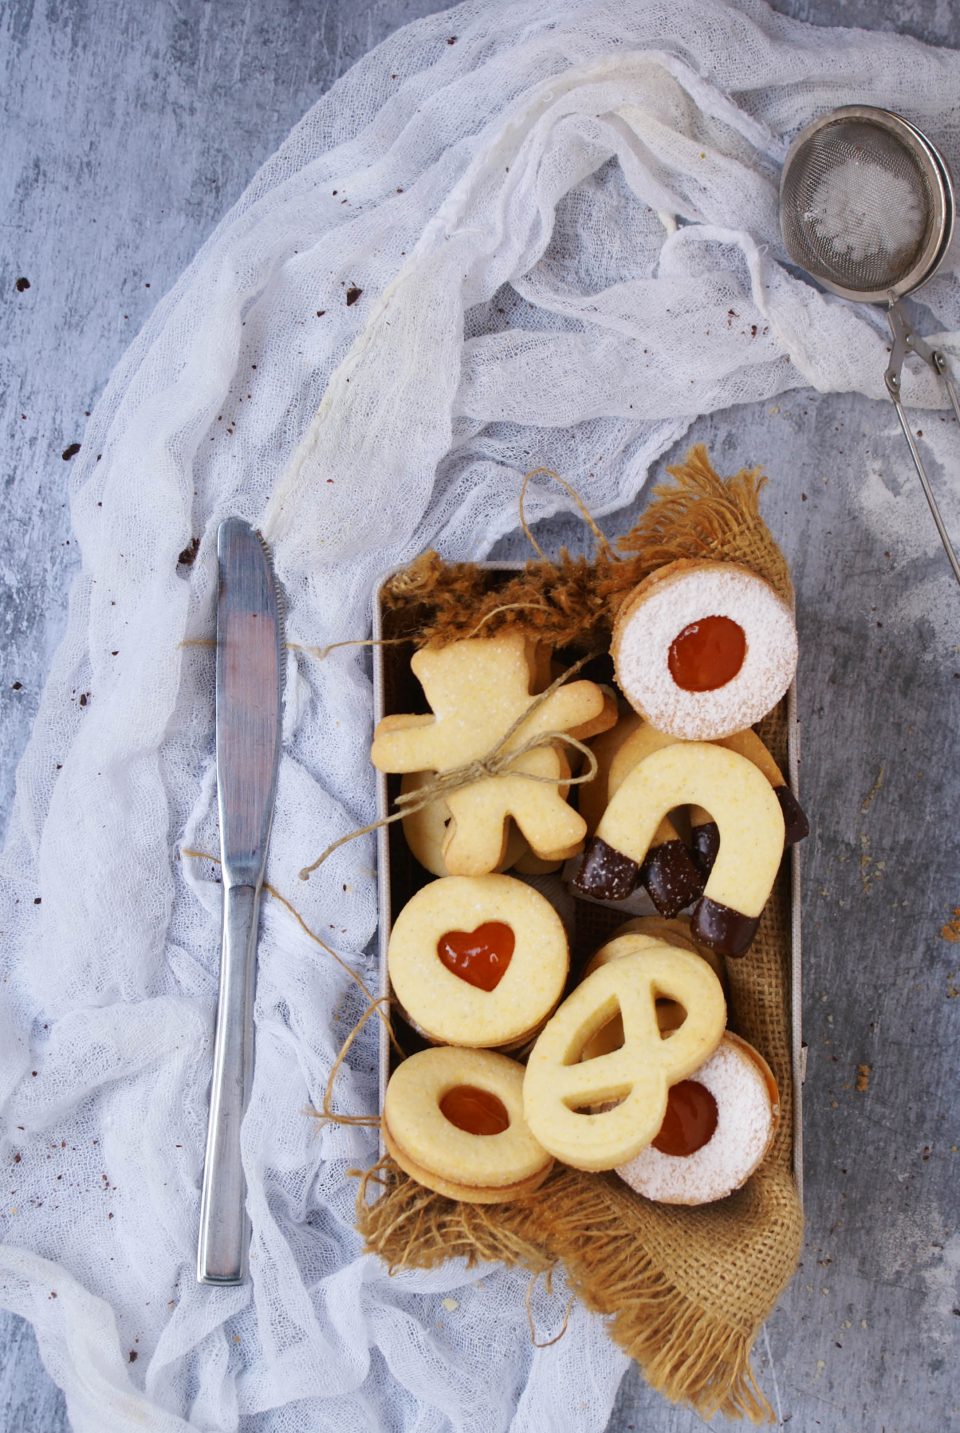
x=395, y=689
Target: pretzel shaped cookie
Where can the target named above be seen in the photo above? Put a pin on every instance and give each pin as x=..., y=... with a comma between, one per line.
x=560, y=1095
x=453, y=1120
x=741, y=801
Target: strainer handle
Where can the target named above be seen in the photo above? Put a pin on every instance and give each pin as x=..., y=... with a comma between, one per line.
x=905, y=342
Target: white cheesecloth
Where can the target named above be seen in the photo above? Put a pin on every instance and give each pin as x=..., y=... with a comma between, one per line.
x=521, y=232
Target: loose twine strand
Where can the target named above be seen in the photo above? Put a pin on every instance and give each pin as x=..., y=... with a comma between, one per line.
x=584, y=511
x=497, y=760
x=528, y=1306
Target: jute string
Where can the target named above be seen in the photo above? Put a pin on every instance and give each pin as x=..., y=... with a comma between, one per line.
x=500, y=758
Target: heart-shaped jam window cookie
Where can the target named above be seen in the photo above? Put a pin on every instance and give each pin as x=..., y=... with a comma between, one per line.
x=481, y=956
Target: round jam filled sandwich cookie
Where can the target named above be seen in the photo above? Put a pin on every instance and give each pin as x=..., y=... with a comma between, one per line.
x=719, y=1125
x=561, y=1090
x=703, y=829
x=702, y=649
x=477, y=690
x=426, y=830
x=749, y=818
x=671, y=877
x=453, y=1120
x=641, y=934
x=478, y=961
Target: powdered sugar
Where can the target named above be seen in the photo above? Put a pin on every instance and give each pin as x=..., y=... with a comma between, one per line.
x=744, y=1126
x=642, y=645
x=860, y=209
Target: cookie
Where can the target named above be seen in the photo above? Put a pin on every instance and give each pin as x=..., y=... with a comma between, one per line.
x=640, y=934
x=561, y=1091
x=751, y=825
x=672, y=878
x=454, y=1121
x=718, y=1127
x=705, y=837
x=426, y=830
x=477, y=961
x=477, y=689
x=703, y=649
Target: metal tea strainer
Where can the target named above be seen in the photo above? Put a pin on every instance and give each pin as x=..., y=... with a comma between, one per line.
x=867, y=207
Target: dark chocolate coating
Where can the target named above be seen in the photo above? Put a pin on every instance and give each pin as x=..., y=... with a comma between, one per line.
x=706, y=844
x=671, y=878
x=796, y=825
x=721, y=928
x=605, y=874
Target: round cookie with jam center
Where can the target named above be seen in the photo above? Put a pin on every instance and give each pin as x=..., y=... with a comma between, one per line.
x=453, y=1120
x=703, y=649
x=718, y=1127
x=478, y=961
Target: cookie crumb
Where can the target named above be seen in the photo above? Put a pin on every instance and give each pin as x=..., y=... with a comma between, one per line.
x=863, y=1078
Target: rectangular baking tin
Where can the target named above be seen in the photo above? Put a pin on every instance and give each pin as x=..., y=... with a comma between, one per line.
x=383, y=700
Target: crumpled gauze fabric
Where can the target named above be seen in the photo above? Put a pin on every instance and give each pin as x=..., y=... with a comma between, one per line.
x=550, y=240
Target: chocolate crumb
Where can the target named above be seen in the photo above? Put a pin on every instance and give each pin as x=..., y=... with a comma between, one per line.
x=452, y=40
x=189, y=553
x=22, y=285
x=70, y=452
x=320, y=314
x=353, y=293
x=16, y=686
x=133, y=1355
x=37, y=900
x=84, y=698
x=17, y=1158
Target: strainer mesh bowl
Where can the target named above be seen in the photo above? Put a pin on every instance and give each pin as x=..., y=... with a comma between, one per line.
x=856, y=206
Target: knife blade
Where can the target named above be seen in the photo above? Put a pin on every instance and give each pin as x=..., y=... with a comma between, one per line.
x=248, y=723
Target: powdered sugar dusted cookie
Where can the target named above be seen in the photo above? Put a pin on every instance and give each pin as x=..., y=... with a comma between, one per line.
x=702, y=649
x=718, y=1127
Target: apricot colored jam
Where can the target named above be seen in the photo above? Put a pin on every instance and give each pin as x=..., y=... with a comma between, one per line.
x=481, y=956
x=707, y=654
x=690, y=1120
x=476, y=1111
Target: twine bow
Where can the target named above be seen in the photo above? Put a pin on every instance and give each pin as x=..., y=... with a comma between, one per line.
x=496, y=761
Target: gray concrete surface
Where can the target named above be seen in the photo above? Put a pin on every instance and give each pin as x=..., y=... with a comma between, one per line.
x=128, y=130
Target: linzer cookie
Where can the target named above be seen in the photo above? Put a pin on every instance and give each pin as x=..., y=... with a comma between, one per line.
x=702, y=649
x=718, y=1126
x=562, y=1091
x=478, y=961
x=479, y=690
x=453, y=1120
x=749, y=818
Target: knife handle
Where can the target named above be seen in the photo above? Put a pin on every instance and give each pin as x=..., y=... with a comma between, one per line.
x=224, y=1227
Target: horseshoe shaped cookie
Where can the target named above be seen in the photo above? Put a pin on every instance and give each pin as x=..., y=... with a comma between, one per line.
x=718, y=1127
x=560, y=1095
x=453, y=1120
x=702, y=649
x=478, y=961
x=671, y=877
x=747, y=813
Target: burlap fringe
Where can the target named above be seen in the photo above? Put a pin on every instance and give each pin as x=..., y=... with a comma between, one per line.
x=688, y=1352
x=572, y=602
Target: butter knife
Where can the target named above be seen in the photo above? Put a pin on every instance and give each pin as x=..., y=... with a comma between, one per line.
x=249, y=674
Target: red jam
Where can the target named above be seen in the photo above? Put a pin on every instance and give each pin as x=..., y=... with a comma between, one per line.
x=707, y=654
x=690, y=1120
x=481, y=956
x=473, y=1110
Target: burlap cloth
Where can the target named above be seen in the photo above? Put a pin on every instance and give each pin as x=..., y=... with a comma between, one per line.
x=686, y=1289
